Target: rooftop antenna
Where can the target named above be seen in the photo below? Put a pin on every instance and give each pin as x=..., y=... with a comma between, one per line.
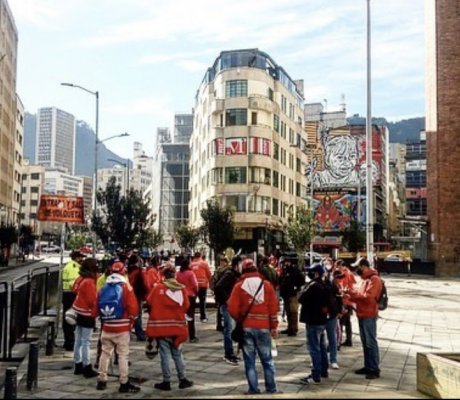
x=343, y=105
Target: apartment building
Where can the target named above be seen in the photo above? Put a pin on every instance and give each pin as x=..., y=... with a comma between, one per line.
x=245, y=147
x=8, y=103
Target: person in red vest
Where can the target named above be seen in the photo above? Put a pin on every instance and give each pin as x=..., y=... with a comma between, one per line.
x=116, y=332
x=203, y=276
x=168, y=304
x=85, y=306
x=260, y=325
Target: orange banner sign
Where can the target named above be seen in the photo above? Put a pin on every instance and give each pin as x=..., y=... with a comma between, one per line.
x=61, y=209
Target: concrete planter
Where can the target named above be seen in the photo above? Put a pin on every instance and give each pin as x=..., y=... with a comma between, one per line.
x=438, y=374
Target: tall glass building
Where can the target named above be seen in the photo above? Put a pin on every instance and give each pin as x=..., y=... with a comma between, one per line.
x=55, y=145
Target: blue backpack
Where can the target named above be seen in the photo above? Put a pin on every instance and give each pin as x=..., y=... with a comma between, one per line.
x=110, y=302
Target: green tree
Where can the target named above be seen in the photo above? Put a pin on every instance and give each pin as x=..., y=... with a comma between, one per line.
x=354, y=239
x=187, y=237
x=300, y=230
x=218, y=227
x=122, y=219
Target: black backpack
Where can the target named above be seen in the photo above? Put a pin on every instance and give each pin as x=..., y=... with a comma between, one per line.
x=382, y=301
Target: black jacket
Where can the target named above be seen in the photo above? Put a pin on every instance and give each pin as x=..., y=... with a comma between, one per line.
x=314, y=300
x=291, y=282
x=224, y=286
x=335, y=298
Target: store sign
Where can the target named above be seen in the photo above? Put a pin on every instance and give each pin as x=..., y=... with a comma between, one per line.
x=59, y=208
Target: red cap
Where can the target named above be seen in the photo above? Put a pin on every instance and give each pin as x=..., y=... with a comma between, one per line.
x=118, y=267
x=247, y=264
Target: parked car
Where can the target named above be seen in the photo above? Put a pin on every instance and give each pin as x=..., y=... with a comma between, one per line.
x=394, y=258
x=52, y=248
x=86, y=250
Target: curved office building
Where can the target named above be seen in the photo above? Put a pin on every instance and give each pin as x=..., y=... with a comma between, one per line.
x=248, y=147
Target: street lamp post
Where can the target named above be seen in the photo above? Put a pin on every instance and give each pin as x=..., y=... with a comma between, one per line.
x=369, y=188
x=96, y=94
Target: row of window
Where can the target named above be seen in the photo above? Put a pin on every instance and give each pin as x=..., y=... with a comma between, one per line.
x=256, y=204
x=265, y=176
x=238, y=146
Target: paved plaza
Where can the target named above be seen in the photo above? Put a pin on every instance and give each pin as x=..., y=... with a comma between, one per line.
x=422, y=317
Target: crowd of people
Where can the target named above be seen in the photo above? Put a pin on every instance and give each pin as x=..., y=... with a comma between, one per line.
x=248, y=294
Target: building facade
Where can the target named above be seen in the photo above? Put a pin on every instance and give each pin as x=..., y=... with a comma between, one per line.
x=8, y=103
x=171, y=175
x=55, y=145
x=416, y=193
x=33, y=184
x=18, y=161
x=58, y=181
x=87, y=196
x=141, y=174
x=245, y=146
x=443, y=144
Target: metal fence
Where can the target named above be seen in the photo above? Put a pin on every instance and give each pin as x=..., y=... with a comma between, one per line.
x=28, y=295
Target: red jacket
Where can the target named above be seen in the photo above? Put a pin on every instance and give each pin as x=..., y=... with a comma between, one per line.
x=348, y=281
x=261, y=316
x=201, y=271
x=188, y=279
x=366, y=294
x=85, y=288
x=130, y=306
x=152, y=277
x=167, y=317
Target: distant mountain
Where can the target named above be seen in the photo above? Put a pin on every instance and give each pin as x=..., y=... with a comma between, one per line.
x=84, y=156
x=407, y=130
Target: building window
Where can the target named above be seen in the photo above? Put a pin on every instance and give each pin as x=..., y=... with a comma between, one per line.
x=259, y=146
x=254, y=118
x=236, y=117
x=236, y=88
x=34, y=203
x=276, y=179
x=24, y=190
x=35, y=177
x=298, y=165
x=34, y=189
x=235, y=175
x=217, y=147
x=259, y=204
x=276, y=151
x=275, y=207
x=217, y=176
x=276, y=123
x=270, y=94
x=237, y=202
x=260, y=175
x=236, y=146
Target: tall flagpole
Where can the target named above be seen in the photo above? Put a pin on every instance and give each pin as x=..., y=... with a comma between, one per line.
x=369, y=187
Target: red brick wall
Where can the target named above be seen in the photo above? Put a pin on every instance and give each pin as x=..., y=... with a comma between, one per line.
x=443, y=145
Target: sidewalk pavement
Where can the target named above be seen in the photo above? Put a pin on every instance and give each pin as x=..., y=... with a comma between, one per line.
x=422, y=316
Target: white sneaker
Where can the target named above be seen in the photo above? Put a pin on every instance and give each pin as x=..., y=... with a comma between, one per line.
x=335, y=366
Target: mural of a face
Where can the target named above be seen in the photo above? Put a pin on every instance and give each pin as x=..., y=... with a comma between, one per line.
x=341, y=156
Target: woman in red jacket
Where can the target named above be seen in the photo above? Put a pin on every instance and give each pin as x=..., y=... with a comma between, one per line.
x=168, y=303
x=187, y=278
x=85, y=305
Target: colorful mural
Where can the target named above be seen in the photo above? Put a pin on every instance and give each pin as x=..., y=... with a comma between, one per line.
x=334, y=210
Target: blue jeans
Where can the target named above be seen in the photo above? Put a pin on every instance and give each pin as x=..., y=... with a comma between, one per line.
x=259, y=341
x=81, y=350
x=331, y=329
x=316, y=344
x=229, y=324
x=166, y=349
x=368, y=333
x=140, y=334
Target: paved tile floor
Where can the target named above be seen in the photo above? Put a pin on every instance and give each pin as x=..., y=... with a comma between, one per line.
x=422, y=317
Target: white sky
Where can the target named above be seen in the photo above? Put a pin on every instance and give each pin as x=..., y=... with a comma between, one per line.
x=148, y=57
